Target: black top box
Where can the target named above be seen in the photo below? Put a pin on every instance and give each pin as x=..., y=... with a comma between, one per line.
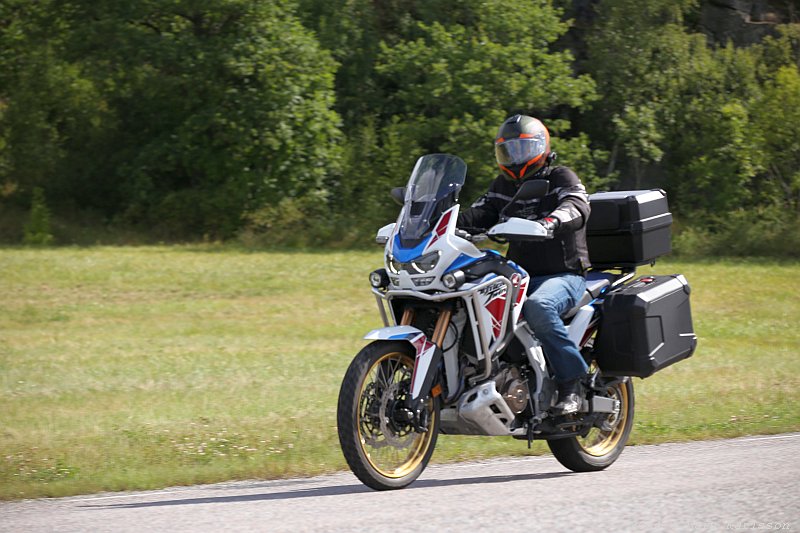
x=628, y=228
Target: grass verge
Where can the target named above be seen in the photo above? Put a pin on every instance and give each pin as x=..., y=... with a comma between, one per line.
x=136, y=368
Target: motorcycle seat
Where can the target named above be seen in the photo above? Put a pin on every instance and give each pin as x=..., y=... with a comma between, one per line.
x=595, y=283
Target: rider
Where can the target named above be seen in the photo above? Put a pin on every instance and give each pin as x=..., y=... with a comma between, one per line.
x=557, y=266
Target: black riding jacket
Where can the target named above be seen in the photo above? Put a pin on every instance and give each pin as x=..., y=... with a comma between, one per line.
x=567, y=201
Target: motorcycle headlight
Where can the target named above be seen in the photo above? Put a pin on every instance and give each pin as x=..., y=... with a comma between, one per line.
x=394, y=265
x=453, y=280
x=426, y=263
x=379, y=279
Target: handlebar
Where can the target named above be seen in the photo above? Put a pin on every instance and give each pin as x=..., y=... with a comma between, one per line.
x=472, y=234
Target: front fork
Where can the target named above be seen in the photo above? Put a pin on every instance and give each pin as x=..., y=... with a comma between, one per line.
x=424, y=383
x=429, y=356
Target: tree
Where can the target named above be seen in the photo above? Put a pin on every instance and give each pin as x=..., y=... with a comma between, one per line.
x=635, y=52
x=180, y=114
x=672, y=100
x=776, y=120
x=47, y=106
x=438, y=76
x=450, y=87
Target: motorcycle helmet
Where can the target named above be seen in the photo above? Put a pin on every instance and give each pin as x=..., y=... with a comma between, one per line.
x=522, y=147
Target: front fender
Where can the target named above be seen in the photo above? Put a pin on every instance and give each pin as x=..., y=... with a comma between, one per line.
x=426, y=354
x=393, y=333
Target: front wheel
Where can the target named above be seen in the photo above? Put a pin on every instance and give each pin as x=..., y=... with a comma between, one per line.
x=381, y=447
x=605, y=442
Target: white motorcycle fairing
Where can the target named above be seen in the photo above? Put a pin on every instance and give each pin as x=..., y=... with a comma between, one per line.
x=425, y=350
x=453, y=252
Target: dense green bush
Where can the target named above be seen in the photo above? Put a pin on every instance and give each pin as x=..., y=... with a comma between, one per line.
x=37, y=231
x=766, y=232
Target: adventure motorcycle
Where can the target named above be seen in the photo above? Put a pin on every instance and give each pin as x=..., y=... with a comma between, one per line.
x=457, y=357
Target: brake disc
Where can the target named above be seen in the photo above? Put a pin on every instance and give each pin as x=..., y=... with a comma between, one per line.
x=394, y=435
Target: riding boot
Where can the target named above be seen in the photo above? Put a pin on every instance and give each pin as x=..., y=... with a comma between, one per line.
x=569, y=398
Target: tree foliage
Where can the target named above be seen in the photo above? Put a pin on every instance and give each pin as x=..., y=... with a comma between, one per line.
x=288, y=121
x=776, y=116
x=685, y=115
x=441, y=78
x=182, y=114
x=37, y=230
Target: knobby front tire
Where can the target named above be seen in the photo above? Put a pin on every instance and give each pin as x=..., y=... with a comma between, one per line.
x=601, y=446
x=382, y=452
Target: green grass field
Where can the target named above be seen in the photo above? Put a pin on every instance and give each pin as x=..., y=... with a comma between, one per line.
x=134, y=368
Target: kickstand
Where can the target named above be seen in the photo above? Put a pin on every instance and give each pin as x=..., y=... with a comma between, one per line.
x=530, y=434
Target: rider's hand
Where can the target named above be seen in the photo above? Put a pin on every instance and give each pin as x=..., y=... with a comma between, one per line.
x=550, y=224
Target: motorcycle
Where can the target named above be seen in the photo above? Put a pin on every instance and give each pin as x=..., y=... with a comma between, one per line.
x=456, y=356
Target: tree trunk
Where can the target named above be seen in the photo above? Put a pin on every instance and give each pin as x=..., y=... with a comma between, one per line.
x=612, y=160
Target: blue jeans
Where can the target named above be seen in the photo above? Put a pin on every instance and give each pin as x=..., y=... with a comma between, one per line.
x=549, y=296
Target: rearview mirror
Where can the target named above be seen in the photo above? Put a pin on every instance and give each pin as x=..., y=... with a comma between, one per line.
x=527, y=191
x=384, y=233
x=399, y=194
x=532, y=189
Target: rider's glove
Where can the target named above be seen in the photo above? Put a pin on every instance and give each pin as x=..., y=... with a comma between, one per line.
x=464, y=234
x=550, y=224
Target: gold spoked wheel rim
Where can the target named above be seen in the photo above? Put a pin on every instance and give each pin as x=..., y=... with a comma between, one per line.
x=602, y=441
x=393, y=449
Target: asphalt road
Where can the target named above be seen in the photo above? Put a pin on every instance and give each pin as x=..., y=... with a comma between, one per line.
x=750, y=483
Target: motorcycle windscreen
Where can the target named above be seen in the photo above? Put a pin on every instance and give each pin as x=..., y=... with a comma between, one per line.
x=432, y=189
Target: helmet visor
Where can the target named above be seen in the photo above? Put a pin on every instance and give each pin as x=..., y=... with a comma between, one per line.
x=520, y=150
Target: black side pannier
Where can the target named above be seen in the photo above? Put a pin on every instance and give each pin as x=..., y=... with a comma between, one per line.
x=645, y=326
x=628, y=228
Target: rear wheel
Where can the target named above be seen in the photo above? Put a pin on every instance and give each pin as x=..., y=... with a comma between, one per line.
x=604, y=442
x=381, y=447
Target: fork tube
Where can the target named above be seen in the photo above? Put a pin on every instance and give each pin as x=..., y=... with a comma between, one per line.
x=408, y=316
x=442, y=324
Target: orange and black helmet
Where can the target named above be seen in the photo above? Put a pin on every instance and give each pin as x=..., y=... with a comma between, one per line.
x=522, y=147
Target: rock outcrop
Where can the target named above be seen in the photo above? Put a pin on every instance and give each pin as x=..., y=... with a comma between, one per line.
x=742, y=22
x=745, y=22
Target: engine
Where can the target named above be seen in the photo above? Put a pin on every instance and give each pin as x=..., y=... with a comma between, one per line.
x=513, y=388
x=491, y=407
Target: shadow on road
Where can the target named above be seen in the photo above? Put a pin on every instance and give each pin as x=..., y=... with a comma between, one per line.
x=330, y=491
